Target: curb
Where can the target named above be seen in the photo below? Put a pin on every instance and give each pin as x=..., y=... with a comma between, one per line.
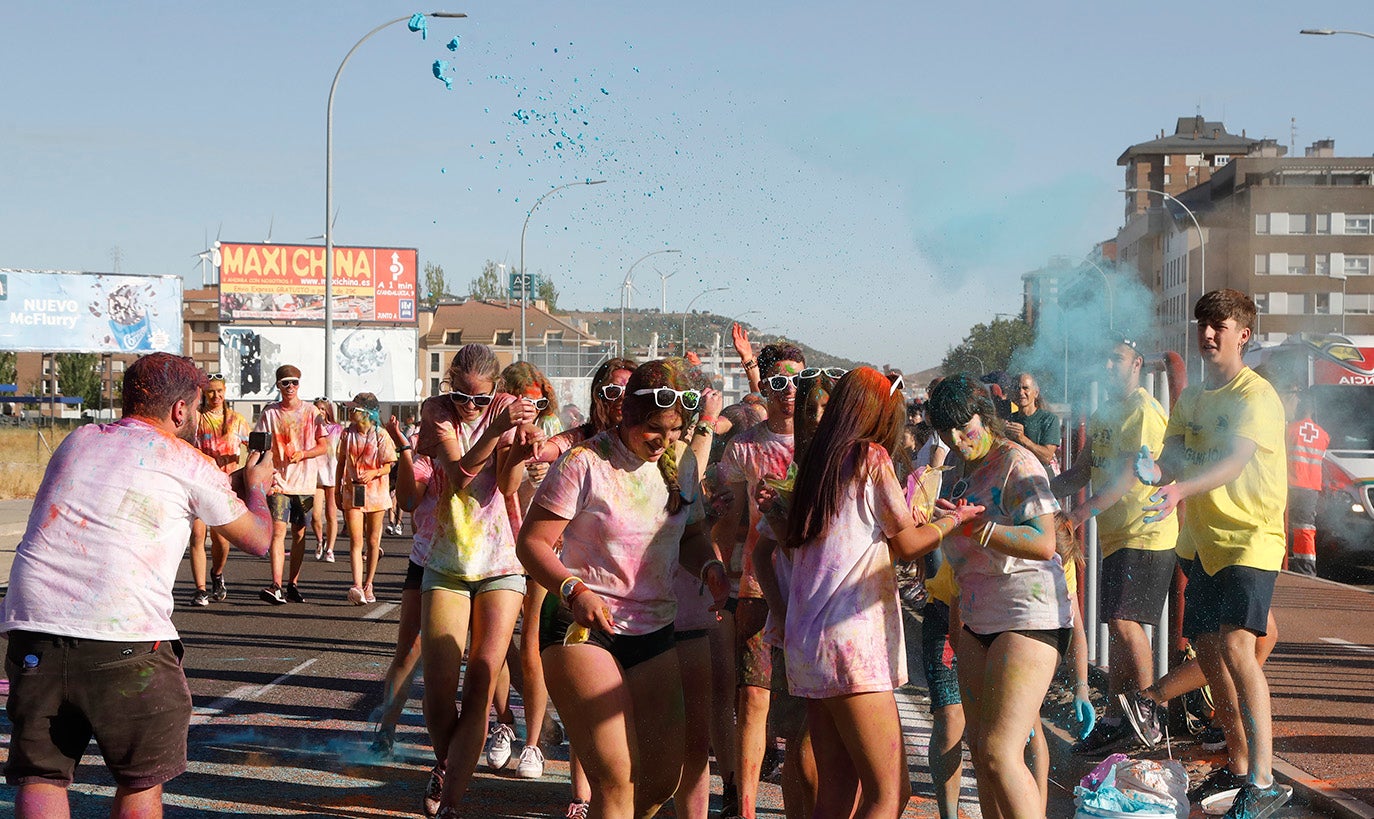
x=1315, y=791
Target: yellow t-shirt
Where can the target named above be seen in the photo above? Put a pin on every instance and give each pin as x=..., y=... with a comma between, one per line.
x=1118, y=430
x=1239, y=523
x=943, y=586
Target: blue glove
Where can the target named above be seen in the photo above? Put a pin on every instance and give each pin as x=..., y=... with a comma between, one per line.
x=1086, y=716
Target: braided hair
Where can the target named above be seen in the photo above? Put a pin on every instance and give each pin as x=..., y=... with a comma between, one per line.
x=639, y=408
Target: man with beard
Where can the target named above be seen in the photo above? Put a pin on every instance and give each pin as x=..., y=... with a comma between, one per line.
x=92, y=649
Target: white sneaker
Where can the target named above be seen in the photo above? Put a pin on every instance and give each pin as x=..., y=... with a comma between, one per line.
x=499, y=752
x=531, y=763
x=356, y=596
x=328, y=555
x=434, y=791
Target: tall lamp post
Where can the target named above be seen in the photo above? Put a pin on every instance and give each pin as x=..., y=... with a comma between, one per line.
x=1111, y=301
x=524, y=277
x=329, y=199
x=625, y=292
x=1202, y=254
x=689, y=309
x=1326, y=32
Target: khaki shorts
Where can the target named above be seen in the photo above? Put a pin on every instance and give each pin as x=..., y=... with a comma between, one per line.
x=439, y=581
x=131, y=697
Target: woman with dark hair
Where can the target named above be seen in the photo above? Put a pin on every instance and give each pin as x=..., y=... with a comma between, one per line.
x=626, y=504
x=843, y=641
x=1013, y=601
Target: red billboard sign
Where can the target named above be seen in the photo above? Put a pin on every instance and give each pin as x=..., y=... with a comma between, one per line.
x=286, y=282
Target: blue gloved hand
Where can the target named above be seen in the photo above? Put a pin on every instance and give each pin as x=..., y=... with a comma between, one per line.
x=1086, y=716
x=1146, y=470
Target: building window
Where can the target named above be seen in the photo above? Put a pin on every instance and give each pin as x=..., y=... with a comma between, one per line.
x=1262, y=303
x=433, y=386
x=1324, y=224
x=1357, y=265
x=1261, y=263
x=1297, y=223
x=1168, y=179
x=453, y=338
x=1359, y=303
x=1321, y=303
x=1261, y=224
x=434, y=362
x=504, y=338
x=1357, y=224
x=1297, y=265
x=198, y=347
x=1321, y=264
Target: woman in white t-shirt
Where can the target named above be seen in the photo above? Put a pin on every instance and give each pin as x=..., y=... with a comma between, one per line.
x=627, y=505
x=842, y=639
x=1013, y=601
x=324, y=516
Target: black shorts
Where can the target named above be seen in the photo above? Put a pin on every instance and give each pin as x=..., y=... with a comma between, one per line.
x=1056, y=638
x=415, y=573
x=1135, y=584
x=690, y=634
x=1234, y=596
x=628, y=649
x=131, y=697
x=292, y=509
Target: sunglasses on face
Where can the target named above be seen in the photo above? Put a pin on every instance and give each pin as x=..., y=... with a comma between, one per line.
x=780, y=383
x=476, y=400
x=897, y=385
x=815, y=372
x=539, y=403
x=289, y=382
x=215, y=377
x=611, y=392
x=664, y=397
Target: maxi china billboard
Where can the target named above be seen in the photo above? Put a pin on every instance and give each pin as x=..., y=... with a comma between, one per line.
x=379, y=360
x=286, y=282
x=60, y=312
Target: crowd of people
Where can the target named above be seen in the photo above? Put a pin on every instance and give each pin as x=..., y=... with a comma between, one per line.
x=688, y=579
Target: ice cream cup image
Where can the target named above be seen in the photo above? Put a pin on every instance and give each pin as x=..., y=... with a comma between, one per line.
x=128, y=318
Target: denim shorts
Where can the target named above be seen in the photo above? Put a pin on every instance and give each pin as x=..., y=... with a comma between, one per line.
x=439, y=581
x=292, y=509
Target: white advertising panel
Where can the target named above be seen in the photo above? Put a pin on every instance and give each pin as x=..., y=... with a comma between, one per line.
x=54, y=312
x=378, y=360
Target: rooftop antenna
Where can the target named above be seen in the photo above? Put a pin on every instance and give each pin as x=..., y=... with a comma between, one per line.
x=1292, y=135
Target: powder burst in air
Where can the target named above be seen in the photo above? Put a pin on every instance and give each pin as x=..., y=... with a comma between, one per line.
x=441, y=66
x=418, y=23
x=453, y=44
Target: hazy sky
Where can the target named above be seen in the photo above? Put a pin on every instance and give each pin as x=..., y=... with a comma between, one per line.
x=872, y=178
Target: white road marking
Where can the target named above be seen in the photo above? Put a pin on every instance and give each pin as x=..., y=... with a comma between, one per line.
x=242, y=693
x=1346, y=644
x=380, y=612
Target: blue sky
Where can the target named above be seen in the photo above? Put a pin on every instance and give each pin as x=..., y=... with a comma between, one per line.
x=872, y=178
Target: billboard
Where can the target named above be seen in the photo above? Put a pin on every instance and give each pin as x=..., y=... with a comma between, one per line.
x=60, y=312
x=378, y=360
x=286, y=282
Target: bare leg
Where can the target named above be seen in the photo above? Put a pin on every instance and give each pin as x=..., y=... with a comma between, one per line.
x=444, y=618
x=800, y=780
x=532, y=688
x=354, y=519
x=1038, y=760
x=590, y=691
x=142, y=804
x=396, y=681
x=946, y=757
x=722, y=639
x=278, y=554
x=1210, y=654
x=219, y=554
x=839, y=788
x=197, y=550
x=1132, y=667
x=694, y=792
x=297, y=551
x=372, y=531
x=41, y=800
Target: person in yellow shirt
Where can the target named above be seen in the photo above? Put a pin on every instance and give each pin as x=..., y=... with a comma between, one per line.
x=1137, y=557
x=1224, y=453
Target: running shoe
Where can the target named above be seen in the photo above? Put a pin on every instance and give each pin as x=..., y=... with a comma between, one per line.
x=531, y=763
x=273, y=594
x=1105, y=737
x=319, y=550
x=577, y=810
x=729, y=800
x=1217, y=782
x=368, y=596
x=328, y=555
x=434, y=791
x=1212, y=738
x=356, y=596
x=200, y=598
x=1144, y=717
x=1254, y=802
x=294, y=594
x=218, y=591
x=499, y=751
x=382, y=743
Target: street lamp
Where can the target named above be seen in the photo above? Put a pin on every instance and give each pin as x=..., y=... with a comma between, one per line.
x=524, y=278
x=982, y=368
x=625, y=292
x=689, y=309
x=1327, y=32
x=1202, y=254
x=329, y=199
x=1111, y=302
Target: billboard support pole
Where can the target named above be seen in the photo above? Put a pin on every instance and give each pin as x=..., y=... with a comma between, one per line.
x=329, y=200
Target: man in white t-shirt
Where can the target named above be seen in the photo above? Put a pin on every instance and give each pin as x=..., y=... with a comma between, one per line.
x=298, y=437
x=92, y=649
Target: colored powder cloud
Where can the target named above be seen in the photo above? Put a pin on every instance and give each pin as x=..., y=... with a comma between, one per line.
x=441, y=66
x=453, y=44
x=418, y=23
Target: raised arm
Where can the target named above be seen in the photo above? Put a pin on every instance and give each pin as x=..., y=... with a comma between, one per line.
x=745, y=350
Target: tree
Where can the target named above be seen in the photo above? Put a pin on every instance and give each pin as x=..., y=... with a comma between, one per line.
x=9, y=368
x=488, y=284
x=546, y=292
x=988, y=347
x=78, y=374
x=436, y=285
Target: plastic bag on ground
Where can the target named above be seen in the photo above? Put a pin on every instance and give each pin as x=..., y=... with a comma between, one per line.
x=1120, y=787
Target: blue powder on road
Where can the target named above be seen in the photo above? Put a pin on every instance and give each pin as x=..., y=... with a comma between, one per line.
x=440, y=66
x=453, y=44
x=417, y=23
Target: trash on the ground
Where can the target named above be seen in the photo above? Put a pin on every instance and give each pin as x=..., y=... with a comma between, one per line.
x=1120, y=788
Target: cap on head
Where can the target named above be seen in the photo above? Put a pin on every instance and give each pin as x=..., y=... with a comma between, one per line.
x=288, y=371
x=364, y=401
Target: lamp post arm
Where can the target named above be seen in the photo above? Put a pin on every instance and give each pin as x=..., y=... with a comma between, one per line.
x=1111, y=299
x=1202, y=253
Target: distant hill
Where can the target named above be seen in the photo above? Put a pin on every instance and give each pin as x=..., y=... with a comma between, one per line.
x=702, y=327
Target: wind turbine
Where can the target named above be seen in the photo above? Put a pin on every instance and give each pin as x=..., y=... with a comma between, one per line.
x=313, y=238
x=664, y=281
x=210, y=254
x=270, y=222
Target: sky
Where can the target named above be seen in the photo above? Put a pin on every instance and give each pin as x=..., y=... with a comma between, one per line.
x=870, y=178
